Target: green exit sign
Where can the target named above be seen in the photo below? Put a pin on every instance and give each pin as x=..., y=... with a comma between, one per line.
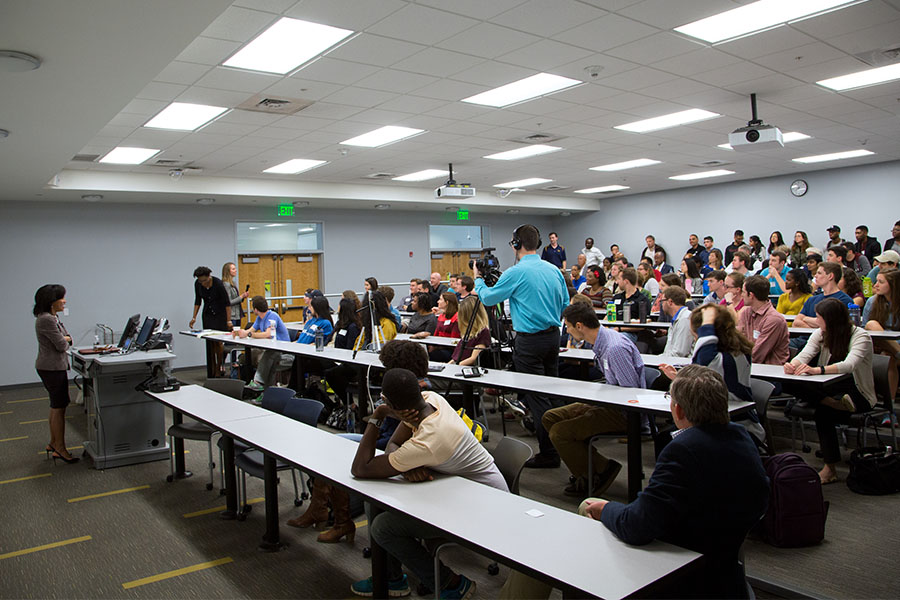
x=462, y=215
x=286, y=210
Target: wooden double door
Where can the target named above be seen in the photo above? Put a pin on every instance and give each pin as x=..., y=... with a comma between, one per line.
x=455, y=262
x=275, y=275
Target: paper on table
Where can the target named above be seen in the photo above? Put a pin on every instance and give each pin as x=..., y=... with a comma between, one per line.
x=657, y=400
x=534, y=513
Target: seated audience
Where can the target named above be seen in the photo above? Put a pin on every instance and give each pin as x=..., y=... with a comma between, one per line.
x=798, y=250
x=630, y=295
x=708, y=246
x=659, y=262
x=735, y=246
x=761, y=323
x=607, y=267
x=868, y=246
x=758, y=253
x=650, y=250
x=813, y=260
x=646, y=280
x=348, y=325
x=595, y=286
x=447, y=326
x=856, y=261
x=581, y=262
x=886, y=261
x=664, y=282
x=690, y=274
x=319, y=320
x=893, y=242
x=734, y=285
x=740, y=263
x=828, y=275
x=837, y=254
x=267, y=325
x=466, y=287
x=714, y=263
x=437, y=288
x=680, y=340
x=413, y=288
x=840, y=347
x=388, y=293
x=694, y=249
x=431, y=438
x=474, y=323
x=882, y=313
x=851, y=285
x=834, y=237
x=707, y=491
x=715, y=281
x=571, y=426
x=578, y=280
x=776, y=272
x=798, y=292
x=422, y=319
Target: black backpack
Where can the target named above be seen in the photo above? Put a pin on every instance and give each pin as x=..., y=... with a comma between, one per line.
x=797, y=509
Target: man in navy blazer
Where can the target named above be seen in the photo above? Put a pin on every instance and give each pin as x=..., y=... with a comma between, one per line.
x=707, y=490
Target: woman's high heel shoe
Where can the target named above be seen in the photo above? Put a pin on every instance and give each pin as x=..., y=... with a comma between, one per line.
x=55, y=454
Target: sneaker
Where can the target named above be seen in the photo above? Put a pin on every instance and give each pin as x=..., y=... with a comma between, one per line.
x=396, y=589
x=577, y=488
x=542, y=461
x=886, y=421
x=465, y=590
x=515, y=406
x=255, y=386
x=528, y=424
x=603, y=480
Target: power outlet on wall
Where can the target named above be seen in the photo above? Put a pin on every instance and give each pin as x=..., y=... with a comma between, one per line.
x=65, y=312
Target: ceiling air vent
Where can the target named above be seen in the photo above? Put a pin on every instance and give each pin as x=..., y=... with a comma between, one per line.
x=881, y=57
x=537, y=138
x=168, y=162
x=555, y=188
x=712, y=163
x=278, y=105
x=85, y=157
x=380, y=176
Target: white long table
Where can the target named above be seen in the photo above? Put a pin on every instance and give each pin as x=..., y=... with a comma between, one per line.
x=633, y=401
x=477, y=516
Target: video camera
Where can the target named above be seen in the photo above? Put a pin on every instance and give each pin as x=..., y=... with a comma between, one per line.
x=488, y=267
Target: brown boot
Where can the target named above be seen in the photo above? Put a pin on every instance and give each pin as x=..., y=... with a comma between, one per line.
x=317, y=512
x=343, y=526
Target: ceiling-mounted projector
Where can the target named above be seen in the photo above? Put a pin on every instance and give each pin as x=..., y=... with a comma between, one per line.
x=756, y=135
x=451, y=189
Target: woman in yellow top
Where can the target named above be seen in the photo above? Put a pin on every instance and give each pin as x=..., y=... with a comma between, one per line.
x=798, y=290
x=384, y=317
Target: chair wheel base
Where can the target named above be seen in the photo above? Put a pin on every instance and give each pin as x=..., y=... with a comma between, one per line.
x=271, y=546
x=222, y=491
x=367, y=552
x=807, y=449
x=209, y=487
x=304, y=496
x=493, y=569
x=298, y=502
x=183, y=475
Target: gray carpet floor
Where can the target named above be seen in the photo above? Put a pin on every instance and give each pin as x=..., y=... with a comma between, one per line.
x=112, y=544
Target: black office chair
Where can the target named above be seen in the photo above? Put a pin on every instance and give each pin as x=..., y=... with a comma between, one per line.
x=273, y=399
x=762, y=391
x=510, y=456
x=251, y=461
x=194, y=430
x=880, y=369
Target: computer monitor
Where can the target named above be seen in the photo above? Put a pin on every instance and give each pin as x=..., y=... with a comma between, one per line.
x=130, y=328
x=146, y=331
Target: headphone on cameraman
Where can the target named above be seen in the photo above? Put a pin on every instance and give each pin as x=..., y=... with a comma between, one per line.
x=516, y=242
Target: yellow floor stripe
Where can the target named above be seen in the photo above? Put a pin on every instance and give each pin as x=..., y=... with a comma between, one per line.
x=6, y=412
x=23, y=437
x=361, y=524
x=83, y=538
x=113, y=493
x=176, y=573
x=69, y=448
x=28, y=400
x=38, y=421
x=26, y=478
x=215, y=509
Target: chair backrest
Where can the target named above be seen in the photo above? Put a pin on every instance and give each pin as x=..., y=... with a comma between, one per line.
x=304, y=410
x=510, y=456
x=762, y=391
x=881, y=365
x=233, y=388
x=650, y=375
x=275, y=398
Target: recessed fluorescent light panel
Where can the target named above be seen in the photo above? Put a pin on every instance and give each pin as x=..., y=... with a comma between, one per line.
x=757, y=17
x=863, y=78
x=605, y=188
x=702, y=175
x=834, y=156
x=791, y=136
x=628, y=164
x=523, y=182
x=286, y=45
x=185, y=117
x=522, y=90
x=684, y=117
x=297, y=165
x=383, y=136
x=421, y=175
x=524, y=152
x=124, y=155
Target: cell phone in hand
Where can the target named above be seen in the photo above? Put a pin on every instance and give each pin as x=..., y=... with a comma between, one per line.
x=247, y=289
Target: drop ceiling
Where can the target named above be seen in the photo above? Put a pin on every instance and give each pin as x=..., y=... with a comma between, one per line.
x=109, y=68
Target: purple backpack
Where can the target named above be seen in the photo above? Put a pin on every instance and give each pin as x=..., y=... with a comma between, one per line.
x=797, y=509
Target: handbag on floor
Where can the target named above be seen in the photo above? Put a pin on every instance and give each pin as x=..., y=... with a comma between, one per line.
x=874, y=470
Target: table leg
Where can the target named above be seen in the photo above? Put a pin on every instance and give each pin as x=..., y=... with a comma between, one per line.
x=635, y=466
x=362, y=402
x=178, y=449
x=271, y=541
x=210, y=359
x=379, y=563
x=469, y=399
x=231, y=501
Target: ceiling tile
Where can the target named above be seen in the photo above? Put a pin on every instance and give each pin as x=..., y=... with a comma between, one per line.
x=488, y=40
x=450, y=91
x=295, y=87
x=639, y=78
x=695, y=62
x=434, y=61
x=144, y=107
x=325, y=110
x=548, y=17
x=226, y=128
x=391, y=80
x=847, y=20
x=653, y=48
x=673, y=89
x=204, y=95
x=725, y=76
x=881, y=36
x=767, y=42
x=801, y=56
x=413, y=104
x=161, y=91
x=493, y=74
x=606, y=32
x=223, y=78
x=272, y=6
x=182, y=72
x=380, y=117
x=332, y=70
x=238, y=24
x=124, y=119
x=303, y=122
x=375, y=50
x=545, y=55
x=476, y=9
x=660, y=13
x=359, y=97
x=831, y=68
x=346, y=14
x=422, y=24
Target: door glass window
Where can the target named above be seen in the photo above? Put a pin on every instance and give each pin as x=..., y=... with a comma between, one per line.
x=458, y=237
x=278, y=237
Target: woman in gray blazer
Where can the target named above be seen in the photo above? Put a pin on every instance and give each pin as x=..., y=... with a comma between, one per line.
x=53, y=362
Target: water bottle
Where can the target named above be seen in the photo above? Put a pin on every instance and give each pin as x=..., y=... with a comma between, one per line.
x=642, y=312
x=705, y=287
x=626, y=312
x=272, y=329
x=610, y=312
x=96, y=340
x=868, y=290
x=320, y=340
x=855, y=314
